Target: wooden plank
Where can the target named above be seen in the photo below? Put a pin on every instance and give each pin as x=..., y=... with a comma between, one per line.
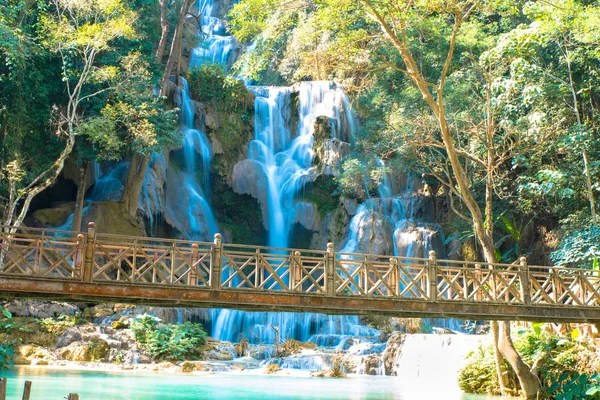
x=73, y=396
x=3, y=385
x=27, y=390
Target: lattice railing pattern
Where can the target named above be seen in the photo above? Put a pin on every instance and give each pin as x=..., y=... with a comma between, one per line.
x=465, y=281
x=91, y=257
x=33, y=252
x=143, y=260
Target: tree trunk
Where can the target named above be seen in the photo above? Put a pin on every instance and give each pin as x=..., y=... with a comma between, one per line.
x=590, y=190
x=503, y=380
x=399, y=40
x=529, y=382
x=133, y=184
x=175, y=45
x=79, y=200
x=164, y=25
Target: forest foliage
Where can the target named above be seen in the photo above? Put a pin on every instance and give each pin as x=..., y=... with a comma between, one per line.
x=527, y=71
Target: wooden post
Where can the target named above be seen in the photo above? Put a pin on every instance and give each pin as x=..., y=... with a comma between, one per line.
x=88, y=264
x=73, y=396
x=479, y=292
x=524, y=275
x=260, y=270
x=555, y=285
x=27, y=390
x=432, y=275
x=3, y=385
x=216, y=263
x=193, y=275
x=395, y=277
x=79, y=257
x=330, y=288
x=294, y=255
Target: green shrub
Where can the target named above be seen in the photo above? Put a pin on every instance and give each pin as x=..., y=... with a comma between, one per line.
x=168, y=341
x=479, y=375
x=568, y=368
x=8, y=344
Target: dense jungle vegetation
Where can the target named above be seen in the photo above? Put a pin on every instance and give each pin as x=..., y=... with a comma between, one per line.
x=494, y=104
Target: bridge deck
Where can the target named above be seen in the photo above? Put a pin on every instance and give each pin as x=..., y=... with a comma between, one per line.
x=112, y=268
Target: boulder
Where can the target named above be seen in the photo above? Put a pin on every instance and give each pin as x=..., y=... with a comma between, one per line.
x=187, y=366
x=95, y=350
x=110, y=218
x=374, y=235
x=54, y=217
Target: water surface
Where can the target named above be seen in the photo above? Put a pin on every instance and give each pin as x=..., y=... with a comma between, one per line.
x=51, y=384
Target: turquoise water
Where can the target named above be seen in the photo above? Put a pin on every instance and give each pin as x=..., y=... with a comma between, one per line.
x=51, y=384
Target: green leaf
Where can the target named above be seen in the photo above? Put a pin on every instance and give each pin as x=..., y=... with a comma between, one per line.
x=592, y=391
x=537, y=327
x=6, y=313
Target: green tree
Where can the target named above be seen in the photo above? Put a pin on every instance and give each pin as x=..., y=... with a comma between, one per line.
x=78, y=32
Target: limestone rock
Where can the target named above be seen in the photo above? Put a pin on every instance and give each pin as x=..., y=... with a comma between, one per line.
x=260, y=352
x=392, y=352
x=95, y=350
x=152, y=196
x=188, y=367
x=221, y=351
x=109, y=218
x=414, y=239
x=375, y=234
x=40, y=309
x=307, y=215
x=53, y=217
x=99, y=311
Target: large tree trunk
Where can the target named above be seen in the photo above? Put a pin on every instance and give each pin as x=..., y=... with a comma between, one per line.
x=529, y=382
x=133, y=184
x=79, y=200
x=503, y=379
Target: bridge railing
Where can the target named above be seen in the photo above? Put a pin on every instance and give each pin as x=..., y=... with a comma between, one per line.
x=106, y=258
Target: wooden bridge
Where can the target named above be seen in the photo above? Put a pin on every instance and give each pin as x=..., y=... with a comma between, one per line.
x=59, y=265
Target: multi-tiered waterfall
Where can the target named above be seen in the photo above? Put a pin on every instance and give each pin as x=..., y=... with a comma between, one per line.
x=280, y=163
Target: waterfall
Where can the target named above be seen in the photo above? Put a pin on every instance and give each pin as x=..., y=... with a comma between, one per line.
x=186, y=204
x=285, y=160
x=217, y=46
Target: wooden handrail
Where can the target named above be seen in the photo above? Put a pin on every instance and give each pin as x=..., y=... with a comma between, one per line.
x=98, y=258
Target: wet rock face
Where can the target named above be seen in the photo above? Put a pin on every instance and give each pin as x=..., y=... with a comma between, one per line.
x=414, y=239
x=392, y=352
x=152, y=199
x=375, y=234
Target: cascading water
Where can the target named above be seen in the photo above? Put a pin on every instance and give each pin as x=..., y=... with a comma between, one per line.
x=186, y=204
x=284, y=161
x=217, y=46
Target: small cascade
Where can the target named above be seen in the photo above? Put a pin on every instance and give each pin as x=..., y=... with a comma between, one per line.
x=264, y=327
x=186, y=204
x=217, y=47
